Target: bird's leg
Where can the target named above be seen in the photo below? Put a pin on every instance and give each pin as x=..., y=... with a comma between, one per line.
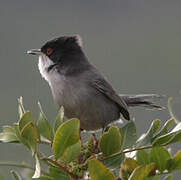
x=80, y=133
x=103, y=129
x=96, y=141
x=94, y=136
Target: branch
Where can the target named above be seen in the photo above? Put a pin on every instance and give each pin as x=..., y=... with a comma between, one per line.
x=19, y=165
x=62, y=168
x=128, y=151
x=43, y=142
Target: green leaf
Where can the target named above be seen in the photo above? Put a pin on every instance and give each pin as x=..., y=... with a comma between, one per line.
x=176, y=128
x=110, y=141
x=176, y=138
x=98, y=171
x=169, y=138
x=128, y=135
x=175, y=163
x=9, y=129
x=18, y=134
x=15, y=175
x=29, y=133
x=164, y=129
x=148, y=137
x=127, y=167
x=25, y=119
x=72, y=152
x=44, y=127
x=171, y=111
x=37, y=167
x=142, y=171
x=59, y=119
x=114, y=161
x=58, y=174
x=163, y=139
x=177, y=160
x=142, y=157
x=177, y=132
x=168, y=178
x=21, y=109
x=8, y=135
x=160, y=156
x=45, y=177
x=130, y=164
x=8, y=138
x=152, y=178
x=66, y=135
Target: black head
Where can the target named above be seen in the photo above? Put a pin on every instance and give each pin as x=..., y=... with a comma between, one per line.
x=66, y=53
x=59, y=48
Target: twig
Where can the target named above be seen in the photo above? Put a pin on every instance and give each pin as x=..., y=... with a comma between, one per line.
x=19, y=165
x=163, y=173
x=74, y=177
x=129, y=150
x=43, y=142
x=136, y=149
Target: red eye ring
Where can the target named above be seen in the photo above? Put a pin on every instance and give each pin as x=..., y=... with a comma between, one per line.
x=49, y=51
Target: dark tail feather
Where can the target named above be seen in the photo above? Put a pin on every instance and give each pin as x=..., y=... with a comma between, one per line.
x=144, y=100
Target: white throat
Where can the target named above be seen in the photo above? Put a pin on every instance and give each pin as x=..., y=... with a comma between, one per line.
x=52, y=77
x=43, y=64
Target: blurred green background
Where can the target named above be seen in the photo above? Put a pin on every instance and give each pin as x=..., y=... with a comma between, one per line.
x=136, y=44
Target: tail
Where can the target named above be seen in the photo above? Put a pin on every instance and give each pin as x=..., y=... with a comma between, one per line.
x=144, y=100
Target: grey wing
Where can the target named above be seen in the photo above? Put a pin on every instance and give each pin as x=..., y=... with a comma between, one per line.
x=104, y=87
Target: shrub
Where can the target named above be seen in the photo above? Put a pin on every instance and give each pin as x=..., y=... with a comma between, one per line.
x=117, y=153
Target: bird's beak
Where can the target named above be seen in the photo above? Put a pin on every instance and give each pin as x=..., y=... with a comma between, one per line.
x=34, y=52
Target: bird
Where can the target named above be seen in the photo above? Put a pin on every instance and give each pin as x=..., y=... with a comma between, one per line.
x=79, y=87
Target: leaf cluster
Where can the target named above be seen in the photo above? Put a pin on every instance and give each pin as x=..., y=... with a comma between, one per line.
x=117, y=154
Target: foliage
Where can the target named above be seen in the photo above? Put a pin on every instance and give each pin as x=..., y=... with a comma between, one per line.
x=103, y=158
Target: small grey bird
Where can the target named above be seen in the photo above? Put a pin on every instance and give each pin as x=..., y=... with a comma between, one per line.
x=80, y=88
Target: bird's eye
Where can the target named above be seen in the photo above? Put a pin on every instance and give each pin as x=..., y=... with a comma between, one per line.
x=49, y=51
